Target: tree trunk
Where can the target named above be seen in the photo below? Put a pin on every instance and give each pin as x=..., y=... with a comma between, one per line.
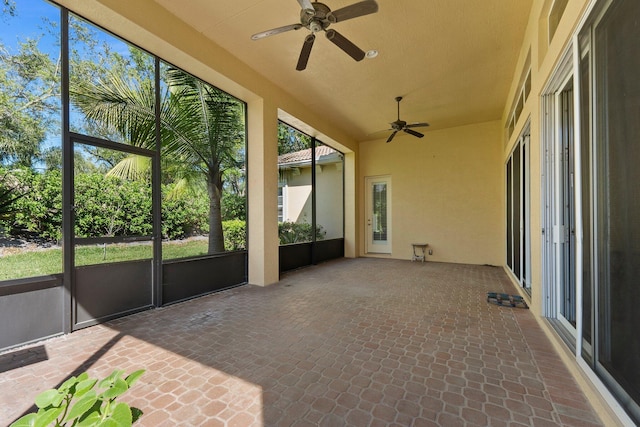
x=216, y=237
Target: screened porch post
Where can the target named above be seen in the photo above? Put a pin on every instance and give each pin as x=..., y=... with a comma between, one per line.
x=262, y=178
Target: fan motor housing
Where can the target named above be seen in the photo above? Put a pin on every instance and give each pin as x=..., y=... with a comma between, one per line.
x=320, y=20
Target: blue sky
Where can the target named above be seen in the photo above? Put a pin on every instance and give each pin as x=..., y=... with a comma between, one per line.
x=28, y=21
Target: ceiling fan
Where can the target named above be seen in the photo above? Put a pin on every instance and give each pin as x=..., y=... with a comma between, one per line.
x=318, y=17
x=401, y=125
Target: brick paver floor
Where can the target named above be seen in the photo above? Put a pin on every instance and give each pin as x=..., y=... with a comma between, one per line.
x=354, y=342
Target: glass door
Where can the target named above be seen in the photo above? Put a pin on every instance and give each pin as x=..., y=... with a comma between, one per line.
x=378, y=221
x=567, y=214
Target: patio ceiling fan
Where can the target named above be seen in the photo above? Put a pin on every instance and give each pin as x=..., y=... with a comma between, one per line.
x=318, y=17
x=401, y=125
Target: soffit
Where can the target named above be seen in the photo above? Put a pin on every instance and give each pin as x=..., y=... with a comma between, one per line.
x=453, y=61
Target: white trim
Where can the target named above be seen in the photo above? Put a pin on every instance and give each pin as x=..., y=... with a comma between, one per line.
x=546, y=178
x=606, y=395
x=284, y=187
x=559, y=74
x=556, y=202
x=577, y=185
x=526, y=224
x=550, y=134
x=552, y=187
x=371, y=247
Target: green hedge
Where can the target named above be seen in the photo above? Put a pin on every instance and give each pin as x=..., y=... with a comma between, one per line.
x=184, y=215
x=107, y=206
x=104, y=206
x=40, y=210
x=292, y=232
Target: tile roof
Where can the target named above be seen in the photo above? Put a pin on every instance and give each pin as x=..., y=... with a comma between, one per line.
x=304, y=155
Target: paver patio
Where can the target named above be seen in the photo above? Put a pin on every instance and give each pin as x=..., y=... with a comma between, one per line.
x=357, y=342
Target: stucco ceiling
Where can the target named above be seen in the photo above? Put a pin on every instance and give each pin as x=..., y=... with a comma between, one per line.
x=452, y=60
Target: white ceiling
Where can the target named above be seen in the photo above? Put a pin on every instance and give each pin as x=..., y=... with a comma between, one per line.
x=452, y=60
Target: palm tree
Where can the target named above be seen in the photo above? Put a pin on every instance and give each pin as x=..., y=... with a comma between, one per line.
x=201, y=127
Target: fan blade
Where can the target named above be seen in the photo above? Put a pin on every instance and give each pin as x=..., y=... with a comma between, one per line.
x=305, y=52
x=275, y=31
x=413, y=132
x=349, y=48
x=353, y=11
x=392, y=135
x=417, y=125
x=307, y=7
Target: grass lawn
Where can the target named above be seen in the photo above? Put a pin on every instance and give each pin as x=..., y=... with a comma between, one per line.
x=49, y=261
x=30, y=264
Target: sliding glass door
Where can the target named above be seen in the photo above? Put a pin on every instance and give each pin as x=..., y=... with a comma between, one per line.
x=518, y=208
x=591, y=199
x=617, y=195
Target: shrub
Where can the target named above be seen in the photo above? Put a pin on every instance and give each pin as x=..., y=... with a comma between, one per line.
x=109, y=206
x=233, y=207
x=184, y=215
x=235, y=234
x=292, y=232
x=40, y=210
x=105, y=206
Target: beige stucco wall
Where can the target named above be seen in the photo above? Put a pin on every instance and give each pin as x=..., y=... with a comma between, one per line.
x=297, y=194
x=446, y=191
x=329, y=201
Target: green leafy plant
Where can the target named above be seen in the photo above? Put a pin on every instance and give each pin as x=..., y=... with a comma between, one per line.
x=293, y=232
x=8, y=195
x=184, y=213
x=40, y=210
x=83, y=401
x=235, y=234
x=109, y=206
x=233, y=207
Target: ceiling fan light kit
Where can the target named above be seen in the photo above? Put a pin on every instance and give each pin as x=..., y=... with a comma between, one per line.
x=316, y=17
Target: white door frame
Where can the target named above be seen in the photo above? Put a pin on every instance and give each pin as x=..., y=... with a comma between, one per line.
x=555, y=265
x=377, y=245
